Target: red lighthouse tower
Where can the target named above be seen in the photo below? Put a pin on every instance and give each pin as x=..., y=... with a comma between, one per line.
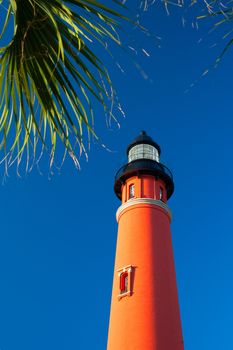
x=144, y=309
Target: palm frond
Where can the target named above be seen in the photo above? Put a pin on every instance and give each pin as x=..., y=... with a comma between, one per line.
x=222, y=15
x=49, y=75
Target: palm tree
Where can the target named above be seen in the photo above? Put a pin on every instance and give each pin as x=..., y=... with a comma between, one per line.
x=221, y=13
x=49, y=74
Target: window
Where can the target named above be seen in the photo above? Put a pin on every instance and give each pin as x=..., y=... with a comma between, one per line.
x=131, y=191
x=125, y=281
x=161, y=193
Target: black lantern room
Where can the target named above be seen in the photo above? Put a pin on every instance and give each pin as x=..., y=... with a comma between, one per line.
x=143, y=158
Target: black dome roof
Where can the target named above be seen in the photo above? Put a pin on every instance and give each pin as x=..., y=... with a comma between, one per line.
x=143, y=138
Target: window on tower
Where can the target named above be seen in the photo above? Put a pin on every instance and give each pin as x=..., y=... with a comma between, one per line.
x=131, y=191
x=161, y=193
x=125, y=281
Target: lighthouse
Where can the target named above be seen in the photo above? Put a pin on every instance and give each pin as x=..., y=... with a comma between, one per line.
x=144, y=308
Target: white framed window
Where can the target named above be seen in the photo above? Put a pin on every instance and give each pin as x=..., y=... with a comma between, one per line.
x=125, y=281
x=161, y=193
x=131, y=191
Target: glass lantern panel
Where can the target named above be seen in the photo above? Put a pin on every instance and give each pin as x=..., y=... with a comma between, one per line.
x=143, y=151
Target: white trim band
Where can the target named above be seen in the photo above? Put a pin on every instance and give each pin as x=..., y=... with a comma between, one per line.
x=136, y=201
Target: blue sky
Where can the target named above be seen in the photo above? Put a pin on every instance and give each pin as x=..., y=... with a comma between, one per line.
x=58, y=232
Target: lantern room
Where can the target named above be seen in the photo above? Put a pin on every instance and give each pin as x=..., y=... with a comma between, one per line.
x=144, y=163
x=143, y=147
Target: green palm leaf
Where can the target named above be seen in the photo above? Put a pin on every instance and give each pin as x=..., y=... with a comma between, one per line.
x=222, y=16
x=49, y=75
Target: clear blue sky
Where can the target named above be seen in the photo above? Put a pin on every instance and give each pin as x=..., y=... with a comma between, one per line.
x=58, y=233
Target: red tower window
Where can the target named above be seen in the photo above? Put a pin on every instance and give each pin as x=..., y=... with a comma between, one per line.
x=131, y=191
x=161, y=193
x=124, y=281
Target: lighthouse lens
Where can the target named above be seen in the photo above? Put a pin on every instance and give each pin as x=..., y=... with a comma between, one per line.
x=143, y=151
